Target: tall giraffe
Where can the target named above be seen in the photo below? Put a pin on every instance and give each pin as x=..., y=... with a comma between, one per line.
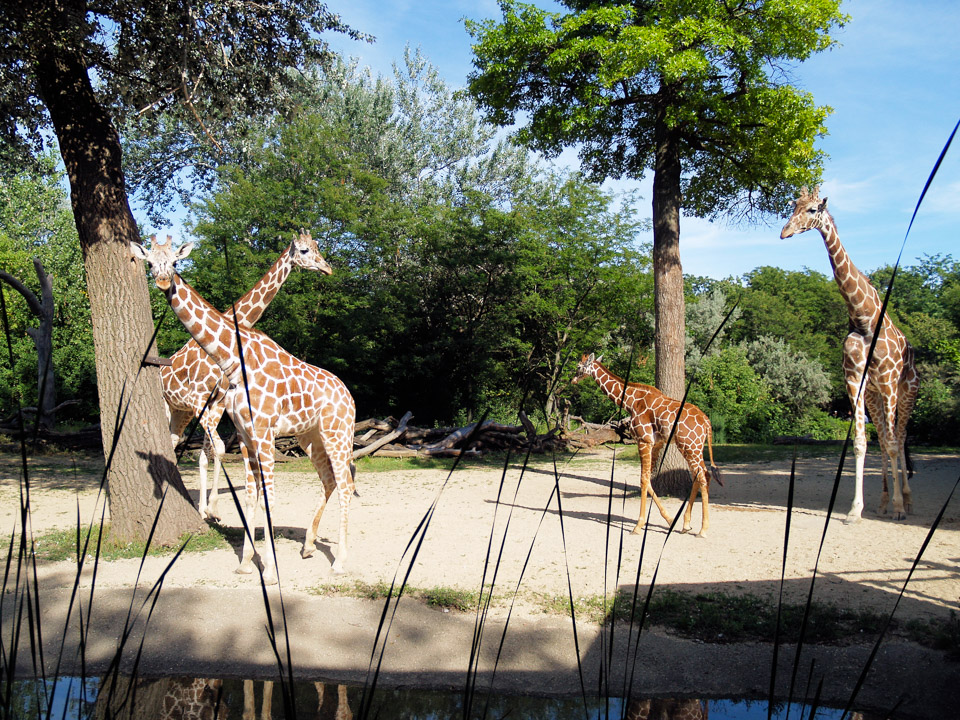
x=890, y=390
x=191, y=383
x=269, y=392
x=652, y=415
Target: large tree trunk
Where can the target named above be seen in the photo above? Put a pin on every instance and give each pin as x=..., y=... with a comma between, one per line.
x=143, y=465
x=668, y=296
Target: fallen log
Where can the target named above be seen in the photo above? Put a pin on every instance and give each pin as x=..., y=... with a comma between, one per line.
x=389, y=437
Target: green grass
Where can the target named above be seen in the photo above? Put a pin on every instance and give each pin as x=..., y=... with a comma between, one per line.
x=440, y=597
x=727, y=618
x=56, y=545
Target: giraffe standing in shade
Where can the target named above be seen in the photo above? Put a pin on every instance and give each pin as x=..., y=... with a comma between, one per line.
x=652, y=415
x=191, y=384
x=892, y=381
x=268, y=392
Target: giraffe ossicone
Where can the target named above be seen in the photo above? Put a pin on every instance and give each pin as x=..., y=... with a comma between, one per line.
x=281, y=395
x=192, y=382
x=889, y=389
x=652, y=417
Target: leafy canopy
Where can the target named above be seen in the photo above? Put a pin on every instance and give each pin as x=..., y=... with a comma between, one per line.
x=179, y=76
x=612, y=78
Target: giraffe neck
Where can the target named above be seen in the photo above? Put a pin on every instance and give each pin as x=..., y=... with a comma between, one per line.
x=251, y=306
x=611, y=385
x=212, y=330
x=862, y=299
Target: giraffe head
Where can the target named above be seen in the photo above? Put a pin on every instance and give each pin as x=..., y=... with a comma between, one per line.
x=809, y=212
x=586, y=366
x=305, y=253
x=161, y=258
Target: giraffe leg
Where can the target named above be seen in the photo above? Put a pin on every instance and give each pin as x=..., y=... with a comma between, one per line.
x=268, y=556
x=699, y=474
x=890, y=448
x=647, y=453
x=212, y=446
x=266, y=707
x=854, y=367
x=249, y=514
x=875, y=408
x=331, y=453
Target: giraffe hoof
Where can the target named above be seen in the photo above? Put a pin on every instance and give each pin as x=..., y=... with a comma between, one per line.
x=245, y=568
x=900, y=516
x=307, y=552
x=270, y=578
x=851, y=519
x=701, y=534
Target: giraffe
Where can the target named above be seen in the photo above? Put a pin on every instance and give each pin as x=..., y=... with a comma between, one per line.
x=268, y=392
x=652, y=415
x=191, y=382
x=892, y=381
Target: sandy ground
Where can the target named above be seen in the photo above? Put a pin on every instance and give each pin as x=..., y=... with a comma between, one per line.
x=861, y=565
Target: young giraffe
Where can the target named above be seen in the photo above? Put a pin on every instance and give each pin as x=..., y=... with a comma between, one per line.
x=652, y=415
x=191, y=383
x=271, y=392
x=890, y=390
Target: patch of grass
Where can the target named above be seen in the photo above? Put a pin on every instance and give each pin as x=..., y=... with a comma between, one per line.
x=450, y=598
x=56, y=545
x=938, y=634
x=441, y=597
x=723, y=617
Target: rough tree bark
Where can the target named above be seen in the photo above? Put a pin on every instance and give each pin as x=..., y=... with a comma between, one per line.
x=143, y=465
x=42, y=337
x=669, y=306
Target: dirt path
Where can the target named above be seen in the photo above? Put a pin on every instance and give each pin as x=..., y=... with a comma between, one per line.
x=861, y=565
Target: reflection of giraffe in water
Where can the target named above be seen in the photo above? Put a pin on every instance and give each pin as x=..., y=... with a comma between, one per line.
x=667, y=709
x=337, y=707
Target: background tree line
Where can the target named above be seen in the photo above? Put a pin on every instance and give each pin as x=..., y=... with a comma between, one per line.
x=469, y=275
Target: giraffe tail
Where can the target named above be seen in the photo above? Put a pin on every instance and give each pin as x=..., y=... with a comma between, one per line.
x=714, y=470
x=353, y=478
x=908, y=460
x=715, y=474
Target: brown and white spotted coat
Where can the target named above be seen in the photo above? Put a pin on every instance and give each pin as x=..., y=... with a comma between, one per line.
x=192, y=381
x=271, y=392
x=652, y=415
x=892, y=382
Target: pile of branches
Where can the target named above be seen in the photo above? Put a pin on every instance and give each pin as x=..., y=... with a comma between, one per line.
x=397, y=438
x=389, y=437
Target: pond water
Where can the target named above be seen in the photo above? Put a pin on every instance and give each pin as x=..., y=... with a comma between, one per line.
x=214, y=699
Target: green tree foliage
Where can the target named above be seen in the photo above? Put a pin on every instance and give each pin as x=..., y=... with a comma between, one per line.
x=692, y=91
x=465, y=276
x=36, y=221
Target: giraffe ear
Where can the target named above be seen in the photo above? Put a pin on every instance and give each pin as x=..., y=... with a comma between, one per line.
x=138, y=250
x=823, y=205
x=588, y=358
x=184, y=250
x=600, y=359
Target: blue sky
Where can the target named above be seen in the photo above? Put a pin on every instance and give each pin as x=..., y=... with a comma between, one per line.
x=893, y=84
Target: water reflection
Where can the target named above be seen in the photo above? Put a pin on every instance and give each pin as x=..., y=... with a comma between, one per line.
x=223, y=699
